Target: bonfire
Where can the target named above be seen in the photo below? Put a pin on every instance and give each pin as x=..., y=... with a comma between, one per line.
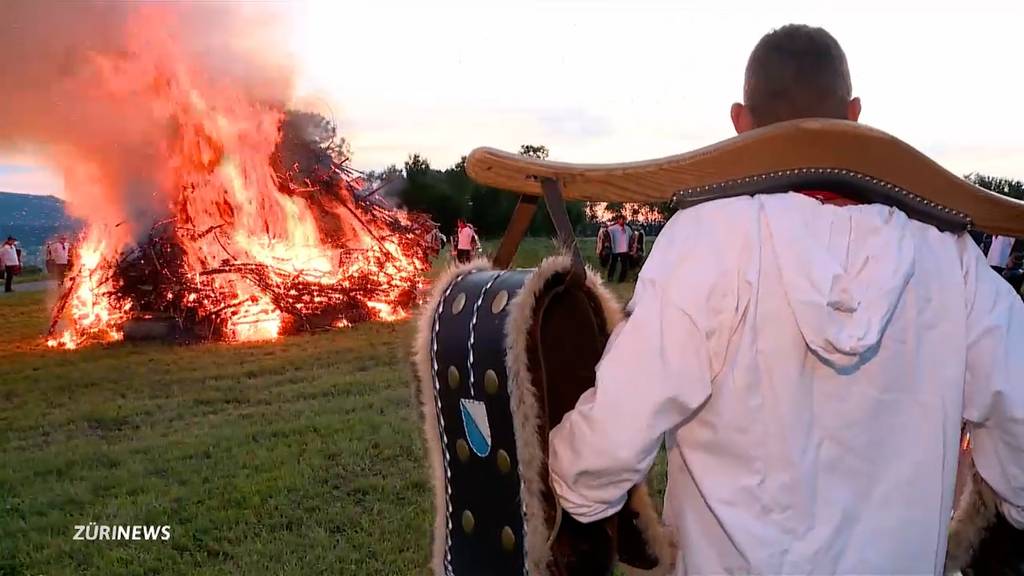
x=265, y=229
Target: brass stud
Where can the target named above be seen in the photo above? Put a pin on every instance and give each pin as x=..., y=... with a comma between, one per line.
x=491, y=382
x=508, y=539
x=504, y=462
x=453, y=377
x=499, y=302
x=468, y=522
x=462, y=449
x=459, y=303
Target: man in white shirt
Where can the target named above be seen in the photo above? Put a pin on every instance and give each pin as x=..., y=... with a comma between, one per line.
x=10, y=261
x=808, y=364
x=619, y=235
x=999, y=252
x=57, y=252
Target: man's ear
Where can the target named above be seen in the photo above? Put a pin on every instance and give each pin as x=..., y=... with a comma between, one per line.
x=853, y=109
x=741, y=119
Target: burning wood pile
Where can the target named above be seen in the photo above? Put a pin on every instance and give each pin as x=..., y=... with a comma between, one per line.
x=221, y=214
x=153, y=282
x=357, y=260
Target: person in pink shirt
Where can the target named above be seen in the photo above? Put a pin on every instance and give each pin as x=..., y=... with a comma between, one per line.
x=465, y=242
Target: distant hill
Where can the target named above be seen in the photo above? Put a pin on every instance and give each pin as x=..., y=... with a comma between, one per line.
x=33, y=220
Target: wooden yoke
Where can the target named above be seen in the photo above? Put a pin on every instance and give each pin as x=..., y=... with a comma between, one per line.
x=862, y=162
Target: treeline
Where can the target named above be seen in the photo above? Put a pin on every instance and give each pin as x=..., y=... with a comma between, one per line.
x=450, y=194
x=1004, y=186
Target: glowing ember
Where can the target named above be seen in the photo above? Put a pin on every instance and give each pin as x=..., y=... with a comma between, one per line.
x=254, y=245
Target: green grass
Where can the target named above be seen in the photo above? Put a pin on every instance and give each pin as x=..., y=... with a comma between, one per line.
x=301, y=456
x=31, y=277
x=31, y=274
x=35, y=277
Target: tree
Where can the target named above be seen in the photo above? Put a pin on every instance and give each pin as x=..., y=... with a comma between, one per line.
x=450, y=194
x=417, y=165
x=1004, y=186
x=539, y=152
x=428, y=191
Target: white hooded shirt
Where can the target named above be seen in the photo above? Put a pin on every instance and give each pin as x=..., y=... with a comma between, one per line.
x=809, y=367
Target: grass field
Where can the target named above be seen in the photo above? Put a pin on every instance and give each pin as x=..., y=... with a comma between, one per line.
x=31, y=275
x=301, y=456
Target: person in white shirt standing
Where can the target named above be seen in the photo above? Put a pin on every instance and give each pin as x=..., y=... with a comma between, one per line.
x=11, y=262
x=999, y=252
x=808, y=364
x=58, y=252
x=619, y=235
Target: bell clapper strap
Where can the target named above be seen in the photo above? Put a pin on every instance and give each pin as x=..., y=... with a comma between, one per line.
x=520, y=223
x=517, y=227
x=560, y=218
x=557, y=525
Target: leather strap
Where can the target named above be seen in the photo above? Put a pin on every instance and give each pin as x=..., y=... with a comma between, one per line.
x=560, y=218
x=517, y=227
x=847, y=183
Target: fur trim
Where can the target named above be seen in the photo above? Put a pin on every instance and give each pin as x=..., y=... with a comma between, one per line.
x=660, y=539
x=527, y=420
x=973, y=514
x=528, y=425
x=422, y=359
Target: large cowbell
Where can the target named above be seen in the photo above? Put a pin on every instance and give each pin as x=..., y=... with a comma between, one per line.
x=501, y=356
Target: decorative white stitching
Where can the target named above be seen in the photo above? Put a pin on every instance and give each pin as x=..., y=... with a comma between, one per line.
x=440, y=423
x=472, y=328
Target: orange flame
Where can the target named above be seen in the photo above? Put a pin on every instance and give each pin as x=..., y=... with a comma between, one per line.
x=93, y=312
x=218, y=150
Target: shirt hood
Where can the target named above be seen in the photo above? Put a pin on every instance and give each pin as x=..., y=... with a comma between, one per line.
x=843, y=292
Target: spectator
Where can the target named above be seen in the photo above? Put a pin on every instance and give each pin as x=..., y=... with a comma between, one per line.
x=619, y=235
x=10, y=259
x=999, y=253
x=1014, y=274
x=604, y=245
x=467, y=242
x=636, y=247
x=57, y=254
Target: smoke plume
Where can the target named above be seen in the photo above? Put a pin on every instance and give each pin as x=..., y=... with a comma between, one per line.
x=79, y=78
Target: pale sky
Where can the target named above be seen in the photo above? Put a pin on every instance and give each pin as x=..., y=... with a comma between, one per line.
x=615, y=80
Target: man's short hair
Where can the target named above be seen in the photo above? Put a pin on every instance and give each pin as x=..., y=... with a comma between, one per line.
x=797, y=71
